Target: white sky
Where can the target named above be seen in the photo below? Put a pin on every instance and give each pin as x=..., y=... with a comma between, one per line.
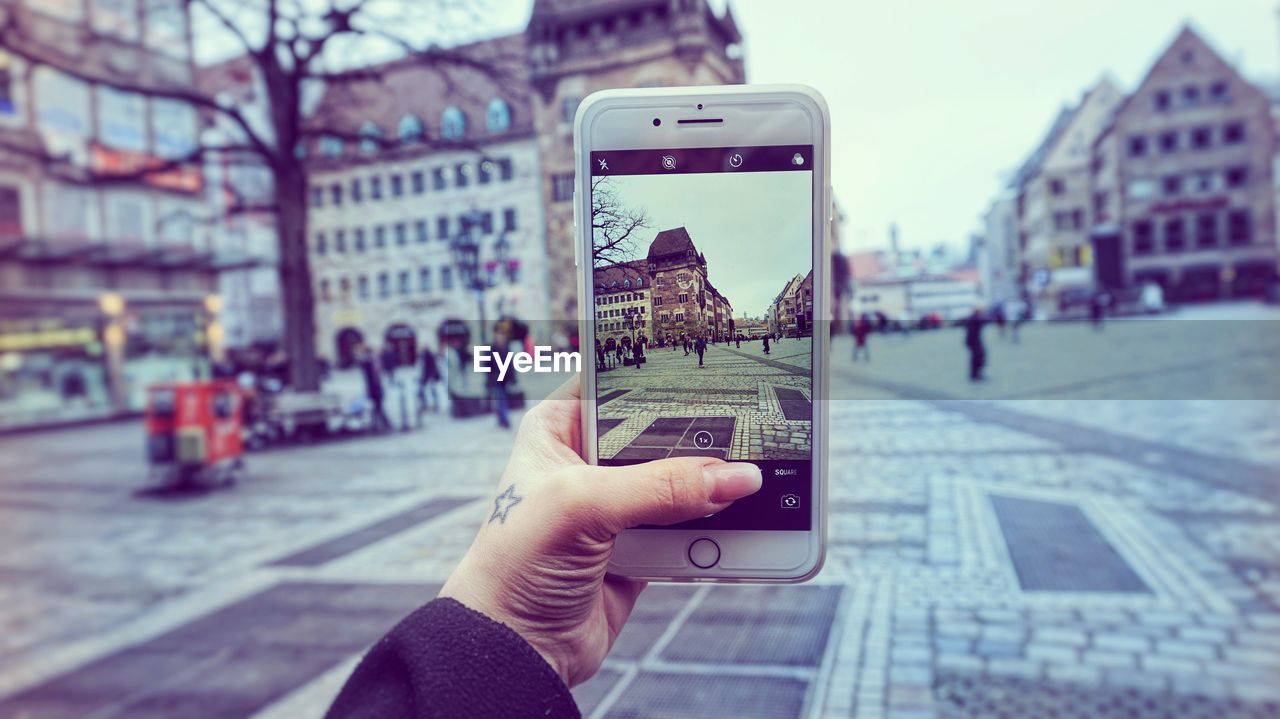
x=933, y=102
x=753, y=227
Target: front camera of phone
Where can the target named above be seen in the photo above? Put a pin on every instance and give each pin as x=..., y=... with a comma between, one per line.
x=656, y=122
x=699, y=106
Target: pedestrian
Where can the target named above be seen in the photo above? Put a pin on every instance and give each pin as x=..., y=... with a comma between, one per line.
x=599, y=355
x=999, y=316
x=519, y=621
x=373, y=389
x=700, y=346
x=639, y=354
x=765, y=340
x=861, y=329
x=497, y=383
x=428, y=383
x=973, y=340
x=1098, y=309
x=684, y=340
x=737, y=341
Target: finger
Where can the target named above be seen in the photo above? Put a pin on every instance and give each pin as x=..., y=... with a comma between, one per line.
x=667, y=491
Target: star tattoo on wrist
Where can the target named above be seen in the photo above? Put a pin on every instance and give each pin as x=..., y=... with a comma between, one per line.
x=503, y=503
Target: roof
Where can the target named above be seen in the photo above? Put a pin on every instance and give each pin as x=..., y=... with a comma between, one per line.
x=670, y=242
x=412, y=86
x=615, y=278
x=1031, y=166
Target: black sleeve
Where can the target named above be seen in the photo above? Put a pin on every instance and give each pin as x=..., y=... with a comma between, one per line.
x=445, y=660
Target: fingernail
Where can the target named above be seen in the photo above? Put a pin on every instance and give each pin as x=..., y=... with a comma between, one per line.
x=727, y=482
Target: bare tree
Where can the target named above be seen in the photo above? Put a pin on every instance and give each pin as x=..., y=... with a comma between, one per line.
x=293, y=46
x=614, y=226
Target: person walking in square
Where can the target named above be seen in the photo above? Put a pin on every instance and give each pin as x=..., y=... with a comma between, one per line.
x=861, y=329
x=700, y=346
x=373, y=390
x=428, y=382
x=765, y=340
x=973, y=340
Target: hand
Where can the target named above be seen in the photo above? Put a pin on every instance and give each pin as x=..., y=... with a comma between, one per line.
x=538, y=563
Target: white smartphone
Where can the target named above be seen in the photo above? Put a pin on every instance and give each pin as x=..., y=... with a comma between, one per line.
x=703, y=217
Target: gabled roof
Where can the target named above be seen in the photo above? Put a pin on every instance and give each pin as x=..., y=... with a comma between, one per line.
x=621, y=278
x=670, y=242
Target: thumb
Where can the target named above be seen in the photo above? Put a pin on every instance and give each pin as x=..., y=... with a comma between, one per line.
x=667, y=491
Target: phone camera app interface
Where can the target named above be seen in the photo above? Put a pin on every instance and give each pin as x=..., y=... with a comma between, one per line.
x=703, y=314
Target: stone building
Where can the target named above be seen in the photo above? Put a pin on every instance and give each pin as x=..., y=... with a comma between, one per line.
x=1054, y=194
x=680, y=296
x=787, y=313
x=417, y=159
x=106, y=276
x=1183, y=188
x=623, y=306
x=577, y=47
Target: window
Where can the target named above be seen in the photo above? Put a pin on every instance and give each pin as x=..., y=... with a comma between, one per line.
x=322, y=244
x=1237, y=177
x=357, y=191
x=1239, y=227
x=437, y=178
x=380, y=236
x=657, y=301
x=1191, y=95
x=1233, y=133
x=397, y=186
x=418, y=182
x=679, y=317
x=1204, y=181
x=424, y=279
x=362, y=287
x=1206, y=229
x=509, y=219
x=404, y=282
x=344, y=287
x=370, y=138
x=1175, y=239
x=569, y=108
x=336, y=191
x=1099, y=203
x=330, y=146
x=486, y=222
x=1143, y=237
x=420, y=231
x=409, y=130
x=446, y=278
x=461, y=172
x=453, y=123
x=1057, y=186
x=339, y=241
x=358, y=239
x=1162, y=100
x=1219, y=92
x=665, y=317
x=504, y=168
x=384, y=284
x=1068, y=220
x=562, y=187
x=1169, y=141
x=442, y=227
x=325, y=295
x=497, y=117
x=1137, y=146
x=375, y=188
x=402, y=234
x=1171, y=185
x=1201, y=137
x=484, y=174
x=317, y=196
x=683, y=297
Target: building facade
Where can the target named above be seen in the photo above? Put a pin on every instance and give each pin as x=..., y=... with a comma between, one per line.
x=577, y=47
x=623, y=304
x=1000, y=260
x=419, y=160
x=1183, y=184
x=106, y=275
x=1055, y=201
x=682, y=304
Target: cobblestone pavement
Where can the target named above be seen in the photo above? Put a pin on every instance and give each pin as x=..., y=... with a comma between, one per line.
x=987, y=558
x=749, y=404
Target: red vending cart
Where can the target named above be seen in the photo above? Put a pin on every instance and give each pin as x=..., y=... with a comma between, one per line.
x=194, y=432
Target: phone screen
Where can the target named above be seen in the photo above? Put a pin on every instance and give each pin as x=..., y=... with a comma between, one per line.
x=703, y=311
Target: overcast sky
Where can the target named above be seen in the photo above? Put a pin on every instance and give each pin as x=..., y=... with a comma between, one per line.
x=753, y=227
x=933, y=101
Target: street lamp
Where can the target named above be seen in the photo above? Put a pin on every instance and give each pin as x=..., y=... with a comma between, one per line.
x=630, y=321
x=466, y=256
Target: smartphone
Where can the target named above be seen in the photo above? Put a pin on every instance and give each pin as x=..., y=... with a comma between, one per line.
x=703, y=218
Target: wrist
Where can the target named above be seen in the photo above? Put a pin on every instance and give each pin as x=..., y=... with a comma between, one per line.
x=477, y=603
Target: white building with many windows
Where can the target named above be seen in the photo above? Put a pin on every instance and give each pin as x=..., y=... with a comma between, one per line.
x=425, y=162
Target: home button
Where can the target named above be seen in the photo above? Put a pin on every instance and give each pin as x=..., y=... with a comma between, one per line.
x=704, y=553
